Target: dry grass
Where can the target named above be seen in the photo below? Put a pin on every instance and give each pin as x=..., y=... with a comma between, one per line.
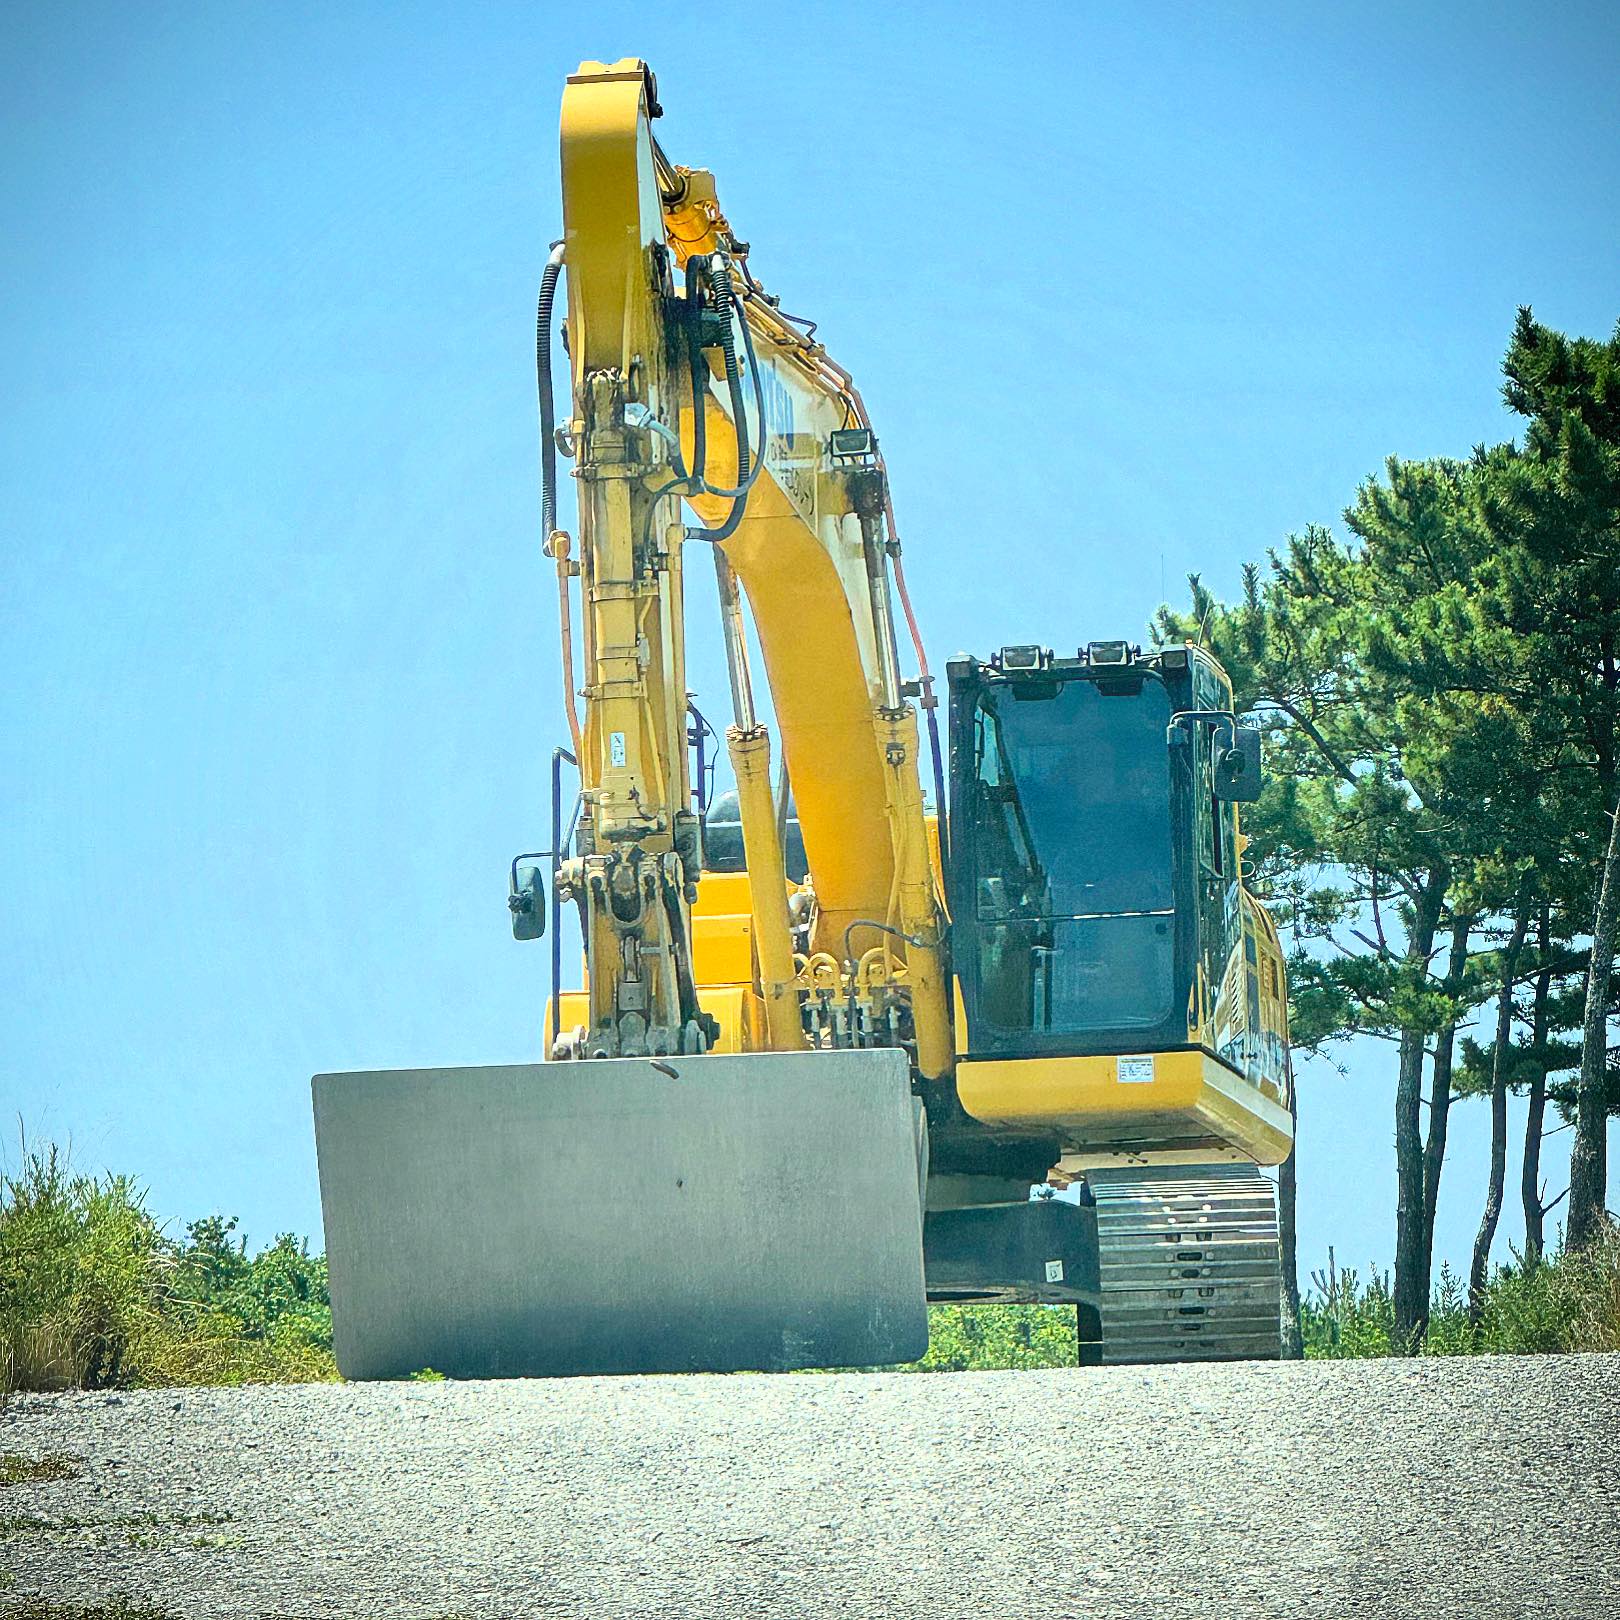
x=1597, y=1317
x=16, y=1469
x=39, y=1354
x=96, y=1296
x=210, y=1348
x=1569, y=1303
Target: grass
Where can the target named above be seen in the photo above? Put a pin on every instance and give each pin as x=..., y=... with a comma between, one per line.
x=117, y=1608
x=16, y=1469
x=1566, y=1303
x=981, y=1338
x=97, y=1296
x=49, y=1524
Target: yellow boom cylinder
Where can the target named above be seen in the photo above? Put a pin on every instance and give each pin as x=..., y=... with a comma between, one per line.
x=767, y=882
x=914, y=883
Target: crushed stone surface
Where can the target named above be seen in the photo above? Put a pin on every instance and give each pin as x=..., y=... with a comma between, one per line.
x=1478, y=1488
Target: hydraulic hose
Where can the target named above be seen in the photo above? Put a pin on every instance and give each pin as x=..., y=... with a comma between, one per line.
x=739, y=495
x=548, y=406
x=930, y=701
x=726, y=301
x=926, y=681
x=694, y=358
x=565, y=618
x=548, y=478
x=713, y=269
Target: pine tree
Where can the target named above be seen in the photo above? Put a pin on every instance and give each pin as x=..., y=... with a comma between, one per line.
x=1552, y=511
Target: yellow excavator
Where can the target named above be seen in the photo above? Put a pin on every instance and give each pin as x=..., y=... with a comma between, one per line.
x=839, y=1051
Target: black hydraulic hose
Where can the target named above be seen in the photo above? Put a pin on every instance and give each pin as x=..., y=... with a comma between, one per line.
x=739, y=495
x=548, y=406
x=882, y=928
x=726, y=529
x=694, y=359
x=850, y=1004
x=759, y=393
x=725, y=300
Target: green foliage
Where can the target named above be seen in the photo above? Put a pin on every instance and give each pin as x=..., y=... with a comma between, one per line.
x=121, y=1607
x=16, y=1469
x=984, y=1338
x=1440, y=692
x=1567, y=1303
x=280, y=1293
x=60, y=1524
x=82, y=1268
x=95, y=1296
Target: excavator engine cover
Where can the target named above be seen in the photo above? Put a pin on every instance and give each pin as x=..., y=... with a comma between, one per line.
x=629, y=1215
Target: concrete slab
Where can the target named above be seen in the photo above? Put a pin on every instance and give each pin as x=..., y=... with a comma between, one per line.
x=758, y=1211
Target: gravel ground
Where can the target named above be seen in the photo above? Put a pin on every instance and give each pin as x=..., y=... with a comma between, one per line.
x=1459, y=1488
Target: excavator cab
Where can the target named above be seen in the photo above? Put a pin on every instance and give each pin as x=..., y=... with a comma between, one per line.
x=1118, y=983
x=1123, y=1002
x=1063, y=870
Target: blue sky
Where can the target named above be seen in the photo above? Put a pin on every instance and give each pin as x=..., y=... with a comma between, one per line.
x=1130, y=291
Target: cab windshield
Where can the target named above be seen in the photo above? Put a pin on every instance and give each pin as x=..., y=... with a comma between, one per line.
x=1073, y=893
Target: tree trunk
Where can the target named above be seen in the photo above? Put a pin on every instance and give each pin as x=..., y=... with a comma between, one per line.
x=1499, y=1073
x=1411, y=1302
x=1434, y=1148
x=1288, y=1235
x=1588, y=1168
x=1530, y=1177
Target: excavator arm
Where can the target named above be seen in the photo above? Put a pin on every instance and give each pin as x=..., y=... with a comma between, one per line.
x=689, y=384
x=657, y=1205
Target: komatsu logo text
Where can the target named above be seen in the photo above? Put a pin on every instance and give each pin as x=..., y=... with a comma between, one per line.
x=794, y=473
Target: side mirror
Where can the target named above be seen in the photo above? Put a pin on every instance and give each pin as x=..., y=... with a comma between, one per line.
x=1235, y=766
x=527, y=900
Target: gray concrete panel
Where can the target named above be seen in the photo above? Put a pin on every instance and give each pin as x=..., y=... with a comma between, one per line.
x=758, y=1211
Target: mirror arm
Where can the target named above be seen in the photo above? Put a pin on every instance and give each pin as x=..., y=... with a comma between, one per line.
x=1182, y=722
x=528, y=855
x=1178, y=734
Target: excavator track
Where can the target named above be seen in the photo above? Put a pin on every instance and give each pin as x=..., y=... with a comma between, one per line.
x=1189, y=1263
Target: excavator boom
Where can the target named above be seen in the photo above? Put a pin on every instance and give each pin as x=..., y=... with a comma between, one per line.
x=642, y=1203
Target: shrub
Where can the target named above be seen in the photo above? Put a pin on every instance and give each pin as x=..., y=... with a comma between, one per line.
x=1596, y=1319
x=92, y=1294
x=280, y=1291
x=985, y=1337
x=1566, y=1302
x=82, y=1267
